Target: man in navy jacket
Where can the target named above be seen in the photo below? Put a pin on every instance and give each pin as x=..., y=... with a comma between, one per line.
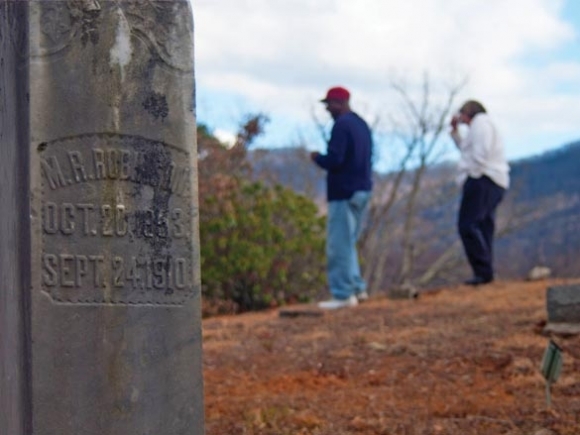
x=348, y=190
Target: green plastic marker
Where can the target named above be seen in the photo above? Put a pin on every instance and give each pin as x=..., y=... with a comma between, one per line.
x=551, y=367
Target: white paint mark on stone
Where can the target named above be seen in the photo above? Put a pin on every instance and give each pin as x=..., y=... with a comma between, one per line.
x=122, y=51
x=134, y=395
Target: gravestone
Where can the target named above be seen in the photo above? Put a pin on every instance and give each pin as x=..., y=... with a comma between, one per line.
x=563, y=306
x=100, y=327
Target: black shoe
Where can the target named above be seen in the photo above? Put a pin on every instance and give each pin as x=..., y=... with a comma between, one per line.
x=478, y=280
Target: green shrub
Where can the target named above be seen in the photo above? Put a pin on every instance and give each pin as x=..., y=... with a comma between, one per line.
x=260, y=247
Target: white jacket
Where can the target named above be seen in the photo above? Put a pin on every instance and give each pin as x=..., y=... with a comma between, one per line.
x=482, y=152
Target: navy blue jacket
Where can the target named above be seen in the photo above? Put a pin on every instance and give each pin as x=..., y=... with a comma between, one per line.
x=348, y=158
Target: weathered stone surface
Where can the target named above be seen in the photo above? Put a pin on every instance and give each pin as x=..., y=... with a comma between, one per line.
x=563, y=304
x=562, y=329
x=14, y=230
x=103, y=288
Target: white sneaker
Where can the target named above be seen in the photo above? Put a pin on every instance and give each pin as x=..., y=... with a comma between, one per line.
x=333, y=304
x=362, y=296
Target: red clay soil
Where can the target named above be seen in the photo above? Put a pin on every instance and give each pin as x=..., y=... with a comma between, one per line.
x=456, y=361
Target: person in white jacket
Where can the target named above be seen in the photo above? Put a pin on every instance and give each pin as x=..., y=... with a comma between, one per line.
x=485, y=174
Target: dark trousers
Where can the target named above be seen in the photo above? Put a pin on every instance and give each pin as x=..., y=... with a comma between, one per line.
x=476, y=223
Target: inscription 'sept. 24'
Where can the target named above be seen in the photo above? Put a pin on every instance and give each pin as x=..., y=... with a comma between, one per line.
x=116, y=221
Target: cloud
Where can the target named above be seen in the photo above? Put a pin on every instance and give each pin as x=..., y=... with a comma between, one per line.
x=279, y=56
x=225, y=137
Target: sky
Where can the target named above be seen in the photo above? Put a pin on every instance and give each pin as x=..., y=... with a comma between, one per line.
x=520, y=58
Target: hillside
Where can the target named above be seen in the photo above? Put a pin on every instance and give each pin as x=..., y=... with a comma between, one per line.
x=548, y=174
x=547, y=189
x=539, y=215
x=453, y=362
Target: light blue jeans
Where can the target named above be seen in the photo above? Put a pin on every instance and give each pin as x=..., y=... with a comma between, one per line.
x=344, y=225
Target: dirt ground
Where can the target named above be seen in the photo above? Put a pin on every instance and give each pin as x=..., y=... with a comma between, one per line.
x=454, y=361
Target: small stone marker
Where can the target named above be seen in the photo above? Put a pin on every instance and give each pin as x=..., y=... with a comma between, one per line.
x=538, y=273
x=100, y=325
x=403, y=291
x=563, y=306
x=311, y=310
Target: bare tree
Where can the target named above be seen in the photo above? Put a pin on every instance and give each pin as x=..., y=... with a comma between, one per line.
x=426, y=122
x=417, y=129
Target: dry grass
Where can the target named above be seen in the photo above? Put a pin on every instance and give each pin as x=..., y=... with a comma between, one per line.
x=458, y=361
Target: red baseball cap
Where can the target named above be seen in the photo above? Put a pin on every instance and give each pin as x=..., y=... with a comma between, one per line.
x=338, y=93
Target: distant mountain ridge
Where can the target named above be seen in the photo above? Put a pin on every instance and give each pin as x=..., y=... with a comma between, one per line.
x=546, y=174
x=548, y=187
x=544, y=195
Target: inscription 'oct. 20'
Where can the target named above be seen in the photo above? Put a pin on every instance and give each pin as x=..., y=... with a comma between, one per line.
x=111, y=221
